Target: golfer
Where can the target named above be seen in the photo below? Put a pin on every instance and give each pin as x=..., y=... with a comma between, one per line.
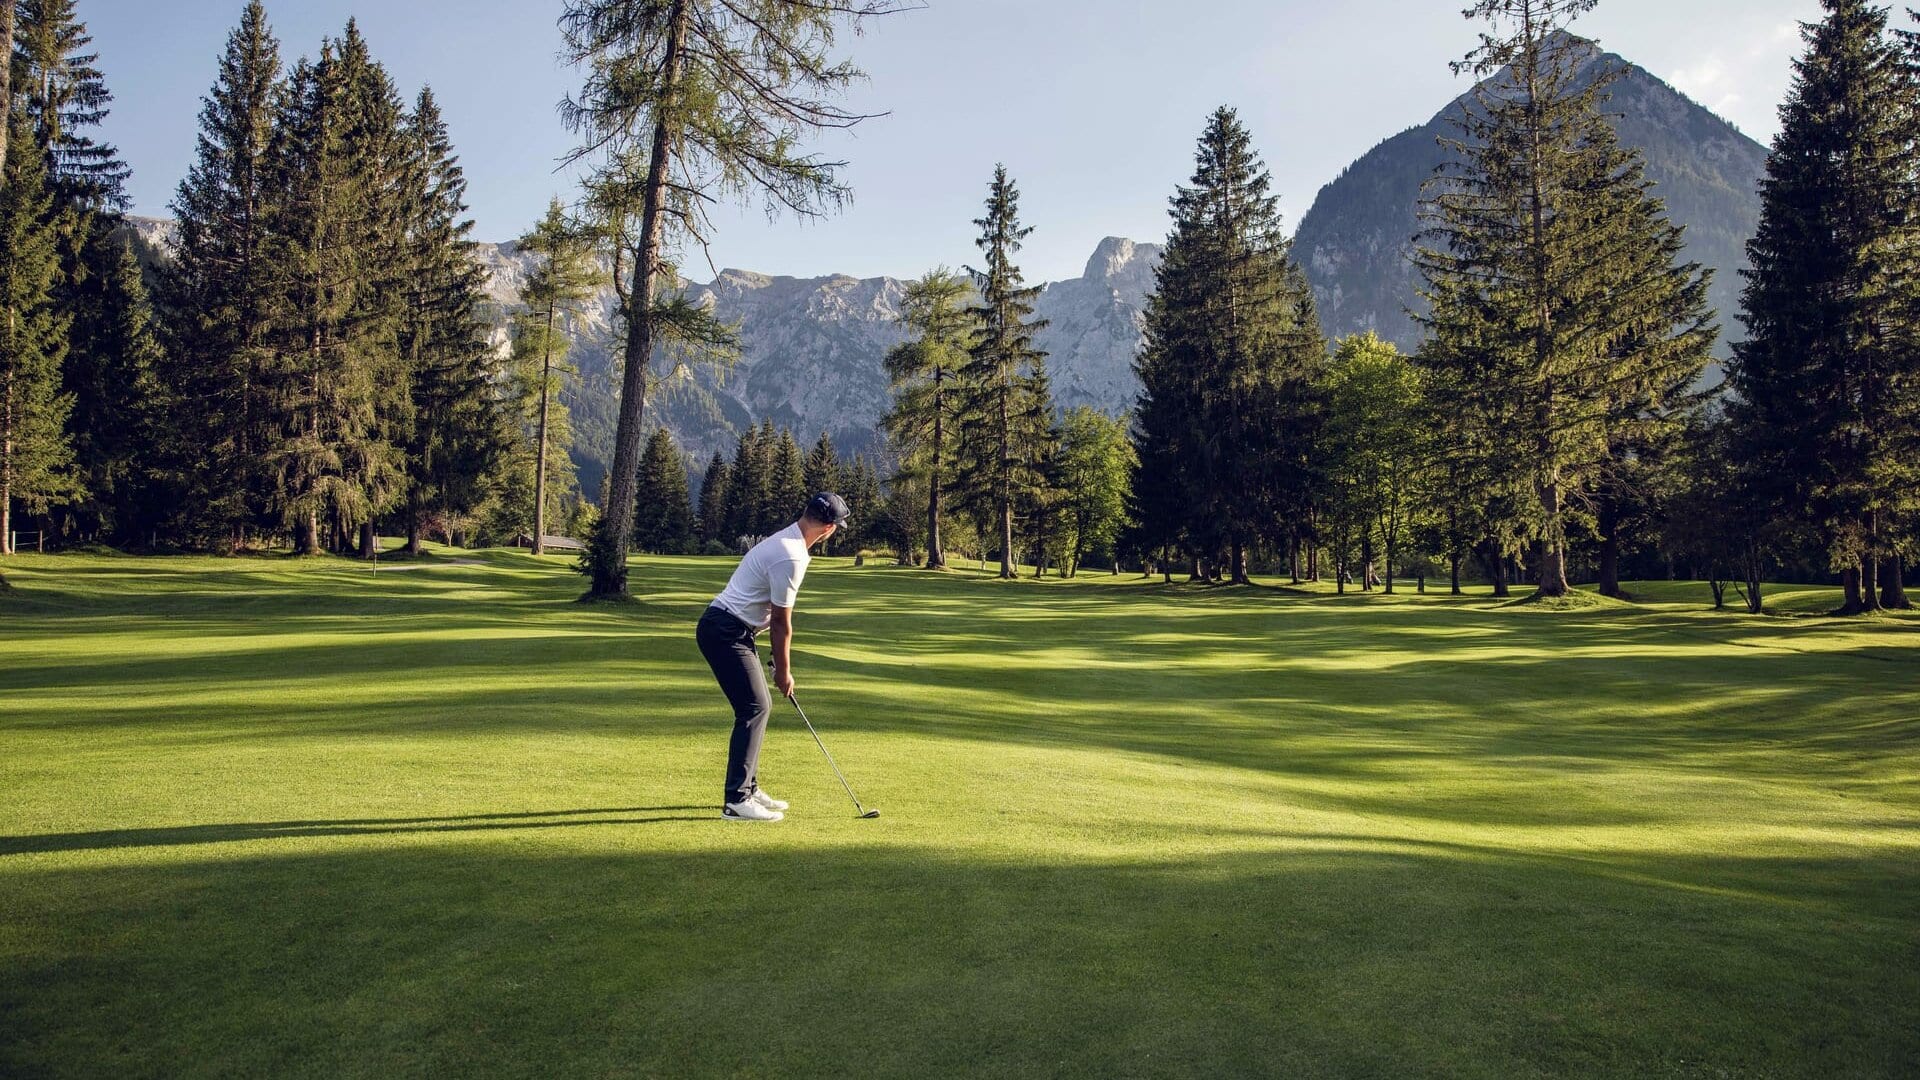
x=760, y=594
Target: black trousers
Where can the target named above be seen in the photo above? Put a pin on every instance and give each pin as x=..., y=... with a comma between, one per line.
x=727, y=643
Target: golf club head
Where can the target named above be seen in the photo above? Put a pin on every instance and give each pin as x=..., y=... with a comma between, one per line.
x=870, y=813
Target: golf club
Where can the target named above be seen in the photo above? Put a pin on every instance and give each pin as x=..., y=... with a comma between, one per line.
x=863, y=811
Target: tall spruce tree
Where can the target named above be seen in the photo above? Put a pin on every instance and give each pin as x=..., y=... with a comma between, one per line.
x=747, y=482
x=459, y=431
x=924, y=417
x=564, y=276
x=63, y=91
x=119, y=409
x=1550, y=265
x=712, y=515
x=36, y=457
x=1232, y=350
x=822, y=471
x=786, y=484
x=998, y=407
x=219, y=300
x=8, y=10
x=663, y=521
x=1826, y=382
x=340, y=391
x=686, y=99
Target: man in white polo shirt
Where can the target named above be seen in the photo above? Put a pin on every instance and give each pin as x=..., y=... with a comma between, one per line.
x=758, y=596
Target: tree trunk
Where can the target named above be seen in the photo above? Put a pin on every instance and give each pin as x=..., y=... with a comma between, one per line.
x=306, y=539
x=6, y=88
x=1609, y=524
x=936, y=553
x=616, y=519
x=369, y=543
x=1386, y=536
x=1893, y=586
x=1293, y=560
x=413, y=521
x=1313, y=563
x=1719, y=588
x=1006, y=539
x=1850, y=588
x=1239, y=563
x=1453, y=574
x=1366, y=561
x=540, y=442
x=1197, y=571
x=6, y=415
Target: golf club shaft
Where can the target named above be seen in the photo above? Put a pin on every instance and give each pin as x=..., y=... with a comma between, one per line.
x=835, y=766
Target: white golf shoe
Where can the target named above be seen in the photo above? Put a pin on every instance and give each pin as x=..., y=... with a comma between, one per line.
x=768, y=801
x=749, y=811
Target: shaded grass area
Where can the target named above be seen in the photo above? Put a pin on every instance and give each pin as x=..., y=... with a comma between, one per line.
x=303, y=817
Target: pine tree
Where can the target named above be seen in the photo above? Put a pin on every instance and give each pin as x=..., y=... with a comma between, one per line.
x=747, y=482
x=218, y=297
x=564, y=277
x=997, y=407
x=1827, y=379
x=713, y=501
x=36, y=458
x=1232, y=350
x=663, y=522
x=924, y=418
x=787, y=492
x=65, y=94
x=1549, y=265
x=340, y=389
x=459, y=432
x=821, y=471
x=686, y=98
x=8, y=10
x=119, y=407
x=865, y=505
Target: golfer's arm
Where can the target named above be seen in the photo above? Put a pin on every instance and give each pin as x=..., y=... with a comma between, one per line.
x=782, y=638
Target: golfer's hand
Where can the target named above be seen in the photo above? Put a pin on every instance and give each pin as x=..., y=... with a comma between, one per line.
x=783, y=682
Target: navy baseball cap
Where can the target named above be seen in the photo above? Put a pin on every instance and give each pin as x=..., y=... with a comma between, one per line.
x=828, y=507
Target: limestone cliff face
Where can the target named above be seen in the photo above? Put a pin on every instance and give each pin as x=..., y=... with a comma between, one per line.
x=811, y=351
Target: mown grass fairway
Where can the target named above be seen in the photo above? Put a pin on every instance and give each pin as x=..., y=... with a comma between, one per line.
x=280, y=817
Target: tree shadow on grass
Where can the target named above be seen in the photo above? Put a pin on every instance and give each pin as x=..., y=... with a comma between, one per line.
x=113, y=839
x=1327, y=956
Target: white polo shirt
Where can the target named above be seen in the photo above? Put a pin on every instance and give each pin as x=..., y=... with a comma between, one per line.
x=768, y=575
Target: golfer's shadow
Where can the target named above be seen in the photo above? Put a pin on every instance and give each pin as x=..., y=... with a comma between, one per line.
x=275, y=830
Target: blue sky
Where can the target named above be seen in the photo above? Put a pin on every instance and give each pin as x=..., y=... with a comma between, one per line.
x=1093, y=105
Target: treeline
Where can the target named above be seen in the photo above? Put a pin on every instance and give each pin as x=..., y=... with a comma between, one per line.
x=1557, y=411
x=757, y=492
x=312, y=359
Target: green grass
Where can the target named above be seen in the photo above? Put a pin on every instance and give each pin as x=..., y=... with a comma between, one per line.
x=273, y=816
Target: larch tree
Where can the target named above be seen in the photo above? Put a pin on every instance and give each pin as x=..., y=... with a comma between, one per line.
x=685, y=102
x=564, y=276
x=1374, y=447
x=924, y=417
